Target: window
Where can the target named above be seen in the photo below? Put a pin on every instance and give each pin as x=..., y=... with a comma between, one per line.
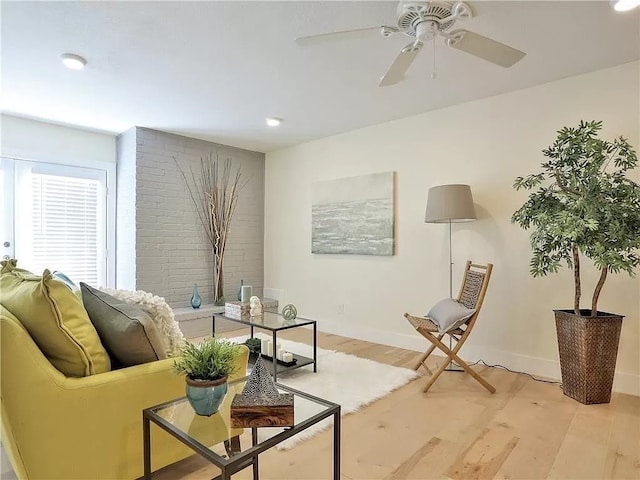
x=59, y=219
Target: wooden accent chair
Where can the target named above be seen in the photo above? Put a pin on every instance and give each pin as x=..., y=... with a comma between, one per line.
x=472, y=292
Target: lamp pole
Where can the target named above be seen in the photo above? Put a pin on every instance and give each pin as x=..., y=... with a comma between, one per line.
x=450, y=265
x=452, y=367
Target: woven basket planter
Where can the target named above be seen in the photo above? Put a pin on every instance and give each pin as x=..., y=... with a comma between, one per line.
x=588, y=350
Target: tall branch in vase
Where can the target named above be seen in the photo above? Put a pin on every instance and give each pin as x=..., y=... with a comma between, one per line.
x=214, y=191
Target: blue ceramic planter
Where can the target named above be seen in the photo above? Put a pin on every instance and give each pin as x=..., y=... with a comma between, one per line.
x=205, y=396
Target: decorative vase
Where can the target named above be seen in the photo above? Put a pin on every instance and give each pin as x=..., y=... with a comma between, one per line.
x=240, y=291
x=196, y=301
x=205, y=396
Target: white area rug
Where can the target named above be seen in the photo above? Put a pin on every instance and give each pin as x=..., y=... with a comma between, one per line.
x=347, y=380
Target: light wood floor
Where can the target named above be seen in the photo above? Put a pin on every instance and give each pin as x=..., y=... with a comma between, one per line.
x=527, y=430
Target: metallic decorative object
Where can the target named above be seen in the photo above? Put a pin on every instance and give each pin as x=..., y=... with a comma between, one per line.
x=261, y=404
x=289, y=312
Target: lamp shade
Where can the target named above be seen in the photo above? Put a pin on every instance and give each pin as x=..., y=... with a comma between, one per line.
x=450, y=203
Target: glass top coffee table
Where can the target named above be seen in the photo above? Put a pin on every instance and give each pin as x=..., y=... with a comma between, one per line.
x=275, y=322
x=234, y=449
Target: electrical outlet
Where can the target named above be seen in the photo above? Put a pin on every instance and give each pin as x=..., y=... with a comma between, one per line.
x=341, y=309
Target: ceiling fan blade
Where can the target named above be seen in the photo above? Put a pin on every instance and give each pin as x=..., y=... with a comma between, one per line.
x=401, y=64
x=311, y=39
x=485, y=48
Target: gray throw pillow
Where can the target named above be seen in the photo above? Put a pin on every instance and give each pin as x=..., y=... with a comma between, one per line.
x=449, y=314
x=126, y=331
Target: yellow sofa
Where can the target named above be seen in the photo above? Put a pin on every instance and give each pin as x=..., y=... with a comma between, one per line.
x=57, y=427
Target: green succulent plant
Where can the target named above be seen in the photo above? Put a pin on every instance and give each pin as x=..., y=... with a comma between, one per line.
x=583, y=204
x=254, y=344
x=210, y=360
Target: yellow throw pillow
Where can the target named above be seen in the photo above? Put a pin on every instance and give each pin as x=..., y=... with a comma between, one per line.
x=11, y=265
x=7, y=266
x=56, y=320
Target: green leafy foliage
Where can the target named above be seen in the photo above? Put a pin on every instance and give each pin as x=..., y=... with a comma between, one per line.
x=212, y=359
x=583, y=200
x=254, y=344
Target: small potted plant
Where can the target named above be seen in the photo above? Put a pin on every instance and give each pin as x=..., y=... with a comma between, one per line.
x=207, y=366
x=254, y=345
x=584, y=205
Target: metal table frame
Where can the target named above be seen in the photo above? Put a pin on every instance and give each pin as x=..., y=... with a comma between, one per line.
x=302, y=361
x=243, y=459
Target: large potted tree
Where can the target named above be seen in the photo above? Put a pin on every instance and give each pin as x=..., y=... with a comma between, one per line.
x=583, y=204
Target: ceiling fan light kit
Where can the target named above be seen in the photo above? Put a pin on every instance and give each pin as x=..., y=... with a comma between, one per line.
x=424, y=21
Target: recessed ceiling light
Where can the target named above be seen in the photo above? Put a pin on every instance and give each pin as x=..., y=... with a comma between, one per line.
x=73, y=61
x=273, y=121
x=626, y=5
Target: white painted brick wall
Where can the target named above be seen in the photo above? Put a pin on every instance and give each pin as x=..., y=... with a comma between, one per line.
x=172, y=252
x=126, y=210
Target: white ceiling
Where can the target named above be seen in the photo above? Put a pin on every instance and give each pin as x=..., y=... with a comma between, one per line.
x=215, y=70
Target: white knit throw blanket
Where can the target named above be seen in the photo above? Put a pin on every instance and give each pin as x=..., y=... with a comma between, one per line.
x=159, y=311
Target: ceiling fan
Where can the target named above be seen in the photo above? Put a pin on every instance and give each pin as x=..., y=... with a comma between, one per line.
x=425, y=21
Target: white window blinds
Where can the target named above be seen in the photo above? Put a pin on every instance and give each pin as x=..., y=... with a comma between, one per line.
x=60, y=222
x=64, y=225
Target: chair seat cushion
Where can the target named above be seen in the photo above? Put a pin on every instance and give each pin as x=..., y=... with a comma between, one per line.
x=448, y=314
x=56, y=320
x=126, y=331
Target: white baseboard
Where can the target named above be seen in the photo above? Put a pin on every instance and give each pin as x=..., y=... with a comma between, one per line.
x=541, y=367
x=626, y=383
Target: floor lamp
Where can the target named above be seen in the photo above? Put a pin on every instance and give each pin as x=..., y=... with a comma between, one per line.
x=450, y=204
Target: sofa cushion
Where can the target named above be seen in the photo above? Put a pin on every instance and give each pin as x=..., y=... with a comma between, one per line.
x=126, y=331
x=56, y=320
x=68, y=282
x=161, y=314
x=11, y=265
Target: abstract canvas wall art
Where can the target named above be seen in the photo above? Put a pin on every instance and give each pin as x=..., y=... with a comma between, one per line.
x=353, y=215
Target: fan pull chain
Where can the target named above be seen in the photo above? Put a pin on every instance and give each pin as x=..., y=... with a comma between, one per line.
x=434, y=74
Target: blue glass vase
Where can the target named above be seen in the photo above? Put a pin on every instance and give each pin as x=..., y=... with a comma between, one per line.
x=240, y=290
x=196, y=301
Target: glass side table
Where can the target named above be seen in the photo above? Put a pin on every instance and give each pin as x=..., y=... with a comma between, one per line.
x=275, y=322
x=234, y=449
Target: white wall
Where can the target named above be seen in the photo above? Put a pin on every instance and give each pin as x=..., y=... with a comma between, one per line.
x=39, y=141
x=486, y=144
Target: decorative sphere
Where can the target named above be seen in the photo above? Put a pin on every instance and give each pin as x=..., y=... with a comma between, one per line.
x=289, y=312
